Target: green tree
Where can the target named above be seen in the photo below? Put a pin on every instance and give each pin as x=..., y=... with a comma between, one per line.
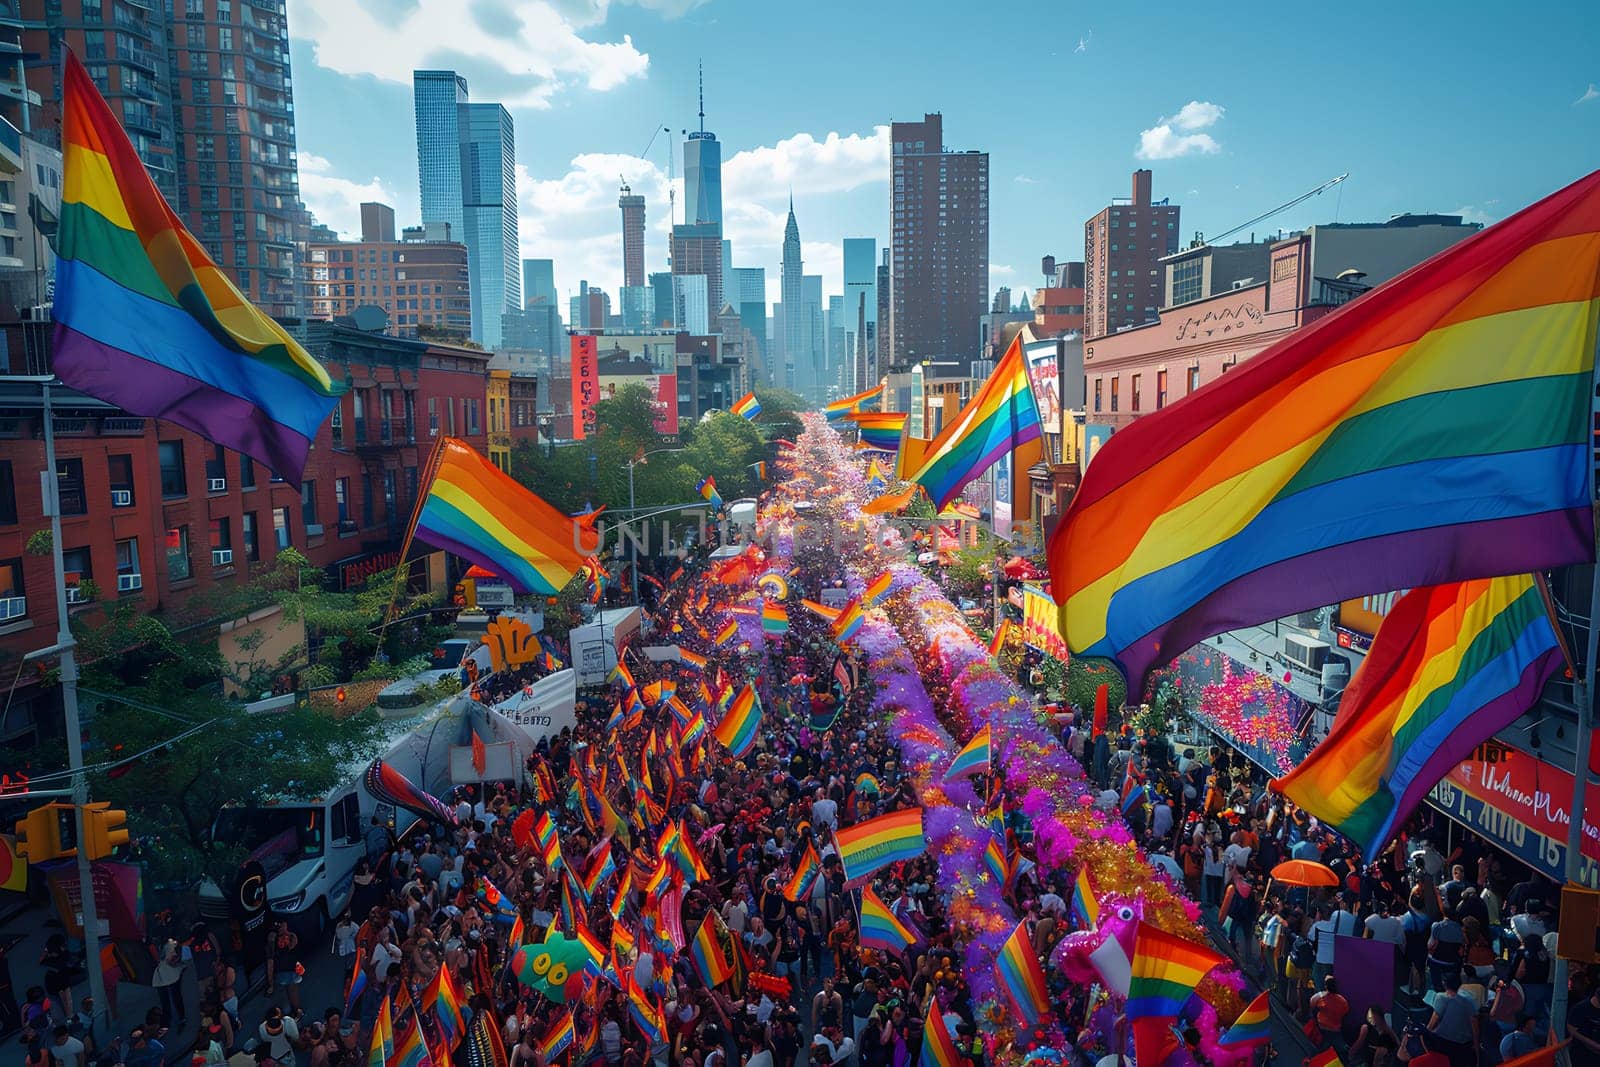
x=780, y=412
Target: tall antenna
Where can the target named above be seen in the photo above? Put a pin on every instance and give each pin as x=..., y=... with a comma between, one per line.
x=702, y=67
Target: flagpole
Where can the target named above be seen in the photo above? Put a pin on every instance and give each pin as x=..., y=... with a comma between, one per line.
x=403, y=568
x=1584, y=693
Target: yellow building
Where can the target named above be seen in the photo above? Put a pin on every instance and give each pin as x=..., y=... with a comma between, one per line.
x=499, y=404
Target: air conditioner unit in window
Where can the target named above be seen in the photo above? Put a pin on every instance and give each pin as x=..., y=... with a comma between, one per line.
x=13, y=607
x=75, y=595
x=216, y=485
x=122, y=498
x=128, y=583
x=313, y=529
x=221, y=557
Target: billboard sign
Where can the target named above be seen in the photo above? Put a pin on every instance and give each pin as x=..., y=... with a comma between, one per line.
x=585, y=385
x=1044, y=375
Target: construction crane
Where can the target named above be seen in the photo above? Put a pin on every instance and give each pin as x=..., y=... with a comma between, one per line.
x=1200, y=239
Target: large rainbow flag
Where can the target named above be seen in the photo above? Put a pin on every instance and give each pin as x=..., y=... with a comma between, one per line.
x=1252, y=1027
x=480, y=513
x=867, y=847
x=737, y=730
x=880, y=929
x=938, y=1047
x=838, y=409
x=1451, y=664
x=999, y=419
x=879, y=430
x=145, y=320
x=1166, y=970
x=1017, y=971
x=1434, y=430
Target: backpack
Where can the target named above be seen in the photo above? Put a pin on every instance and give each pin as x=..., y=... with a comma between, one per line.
x=1303, y=953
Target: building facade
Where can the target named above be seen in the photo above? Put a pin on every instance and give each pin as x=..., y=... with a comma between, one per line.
x=1123, y=247
x=438, y=97
x=790, y=367
x=421, y=285
x=939, y=207
x=538, y=282
x=697, y=250
x=632, y=205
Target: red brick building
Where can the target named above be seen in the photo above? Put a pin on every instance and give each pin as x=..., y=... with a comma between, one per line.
x=1122, y=250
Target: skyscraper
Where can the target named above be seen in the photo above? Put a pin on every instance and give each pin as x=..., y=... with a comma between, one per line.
x=632, y=205
x=746, y=289
x=860, y=283
x=816, y=336
x=538, y=281
x=474, y=188
x=791, y=366
x=940, y=208
x=702, y=171
x=697, y=251
x=1122, y=249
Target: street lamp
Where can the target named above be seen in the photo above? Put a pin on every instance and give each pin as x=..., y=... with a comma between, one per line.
x=633, y=542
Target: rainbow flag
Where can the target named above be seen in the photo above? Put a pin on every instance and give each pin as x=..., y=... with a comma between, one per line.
x=1252, y=1027
x=879, y=431
x=822, y=611
x=694, y=729
x=144, y=318
x=1435, y=430
x=1018, y=972
x=409, y=1048
x=381, y=1047
x=602, y=868
x=848, y=622
x=1329, y=1057
x=645, y=1013
x=707, y=488
x=476, y=511
x=880, y=929
x=597, y=953
x=878, y=588
x=868, y=847
x=621, y=673
x=357, y=984
x=558, y=1039
x=805, y=874
x=747, y=407
x=1451, y=665
x=938, y=1047
x=1001, y=418
x=690, y=659
x=774, y=618
x=444, y=999
x=737, y=730
x=838, y=409
x=1133, y=795
x=995, y=861
x=707, y=954
x=877, y=477
x=998, y=641
x=866, y=783
x=729, y=631
x=759, y=469
x=1166, y=970
x=1085, y=905
x=973, y=759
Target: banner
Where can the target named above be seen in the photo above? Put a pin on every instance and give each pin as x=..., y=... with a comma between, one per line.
x=1520, y=802
x=585, y=385
x=540, y=710
x=118, y=897
x=1041, y=623
x=1365, y=970
x=1045, y=376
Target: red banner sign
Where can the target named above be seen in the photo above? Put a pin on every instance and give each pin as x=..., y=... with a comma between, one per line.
x=585, y=385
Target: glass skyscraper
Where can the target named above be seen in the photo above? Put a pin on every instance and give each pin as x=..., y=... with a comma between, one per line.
x=466, y=164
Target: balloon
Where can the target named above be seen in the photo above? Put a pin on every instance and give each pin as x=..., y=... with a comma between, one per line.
x=550, y=968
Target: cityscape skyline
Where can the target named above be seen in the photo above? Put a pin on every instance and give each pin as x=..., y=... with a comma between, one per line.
x=1213, y=134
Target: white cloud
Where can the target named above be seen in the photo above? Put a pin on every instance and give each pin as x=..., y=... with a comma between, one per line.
x=1589, y=94
x=1472, y=213
x=1178, y=135
x=525, y=52
x=574, y=218
x=337, y=201
x=1001, y=270
x=1023, y=179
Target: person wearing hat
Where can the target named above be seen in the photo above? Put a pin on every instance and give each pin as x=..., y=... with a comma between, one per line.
x=279, y=1033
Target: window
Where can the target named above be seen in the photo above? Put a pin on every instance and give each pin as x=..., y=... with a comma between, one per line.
x=411, y=486
x=1194, y=380
x=13, y=599
x=1097, y=384
x=1136, y=390
x=221, y=543
x=8, y=495
x=366, y=499
x=336, y=426
x=69, y=487
x=280, y=527
x=249, y=537
x=1161, y=389
x=472, y=414
x=308, y=502
x=178, y=566
x=247, y=473
x=128, y=576
x=76, y=566
x=341, y=497
x=173, y=482
x=121, y=468
x=1115, y=381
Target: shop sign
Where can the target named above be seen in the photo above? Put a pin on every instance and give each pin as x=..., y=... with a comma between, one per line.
x=357, y=570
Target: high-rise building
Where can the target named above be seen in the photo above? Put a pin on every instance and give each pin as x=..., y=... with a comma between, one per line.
x=478, y=197
x=940, y=209
x=860, y=282
x=838, y=334
x=538, y=282
x=661, y=285
x=690, y=304
x=816, y=336
x=637, y=304
x=1122, y=250
x=632, y=205
x=702, y=171
x=377, y=223
x=747, y=292
x=697, y=251
x=422, y=285
x=796, y=344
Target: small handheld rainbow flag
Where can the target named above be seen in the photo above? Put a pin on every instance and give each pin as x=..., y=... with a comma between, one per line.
x=849, y=621
x=868, y=847
x=707, y=488
x=998, y=641
x=729, y=631
x=759, y=469
x=973, y=759
x=381, y=1049
x=1019, y=974
x=707, y=953
x=774, y=618
x=737, y=730
x=938, y=1047
x=691, y=659
x=866, y=783
x=878, y=588
x=1166, y=970
x=747, y=407
x=1329, y=1057
x=357, y=984
x=621, y=673
x=558, y=1039
x=994, y=859
x=645, y=1013
x=804, y=877
x=1252, y=1027
x=1084, y=903
x=881, y=930
x=694, y=729
x=445, y=1001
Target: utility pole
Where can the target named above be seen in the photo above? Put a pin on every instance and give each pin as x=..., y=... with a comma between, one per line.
x=65, y=645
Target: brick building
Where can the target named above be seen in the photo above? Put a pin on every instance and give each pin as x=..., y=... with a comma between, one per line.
x=421, y=284
x=1122, y=250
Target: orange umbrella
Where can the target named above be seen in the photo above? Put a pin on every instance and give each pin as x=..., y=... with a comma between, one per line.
x=1304, y=872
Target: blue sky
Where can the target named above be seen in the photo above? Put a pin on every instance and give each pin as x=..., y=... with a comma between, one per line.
x=1463, y=106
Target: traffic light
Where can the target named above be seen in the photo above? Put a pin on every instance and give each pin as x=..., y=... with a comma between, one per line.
x=47, y=833
x=104, y=829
